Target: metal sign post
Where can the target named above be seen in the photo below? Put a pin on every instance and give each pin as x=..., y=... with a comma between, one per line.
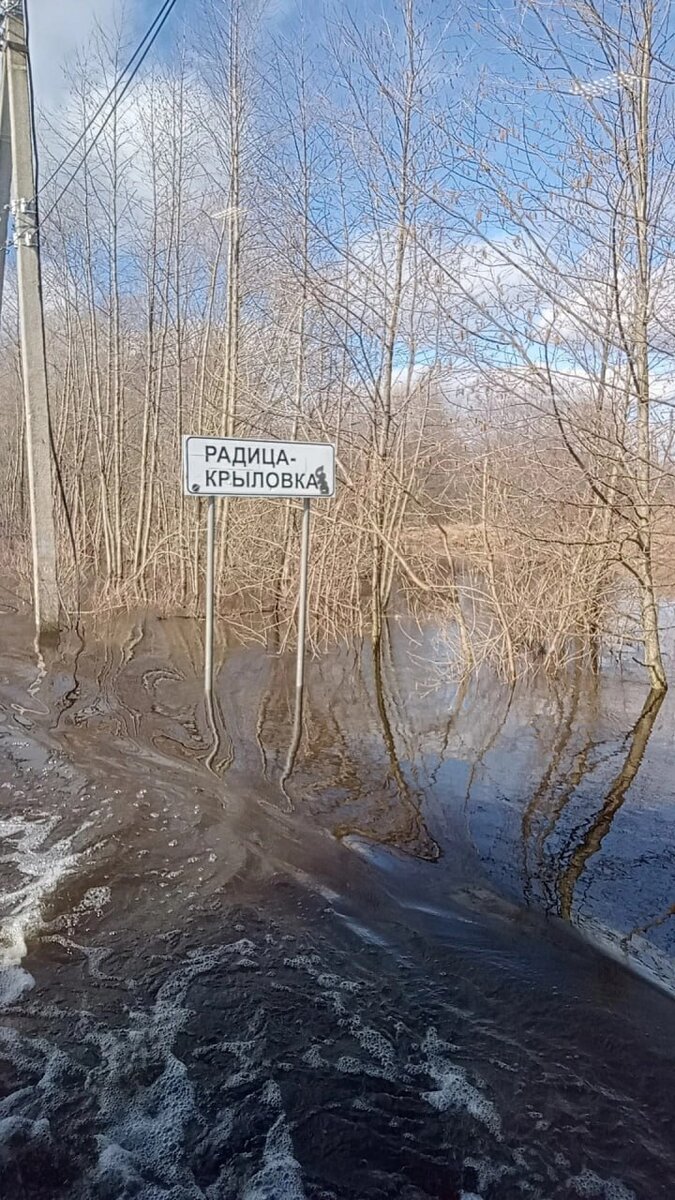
x=302, y=598
x=242, y=467
x=210, y=594
x=300, y=659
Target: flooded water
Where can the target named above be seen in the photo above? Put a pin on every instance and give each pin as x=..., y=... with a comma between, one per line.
x=432, y=960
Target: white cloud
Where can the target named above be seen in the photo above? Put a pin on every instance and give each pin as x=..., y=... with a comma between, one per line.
x=58, y=29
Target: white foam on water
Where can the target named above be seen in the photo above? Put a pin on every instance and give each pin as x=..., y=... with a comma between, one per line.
x=279, y=1176
x=115, y=1176
x=95, y=900
x=378, y=1047
x=378, y=1056
x=26, y=1113
x=116, y=1167
x=453, y=1091
x=22, y=1130
x=313, y=1058
x=14, y=981
x=354, y=1066
x=326, y=980
x=94, y=955
x=22, y=842
x=149, y=1106
x=149, y=1134
x=486, y=1172
x=588, y=1184
x=334, y=987
x=147, y=1124
x=272, y=1093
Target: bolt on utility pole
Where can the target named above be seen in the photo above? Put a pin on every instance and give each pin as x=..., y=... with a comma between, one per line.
x=17, y=165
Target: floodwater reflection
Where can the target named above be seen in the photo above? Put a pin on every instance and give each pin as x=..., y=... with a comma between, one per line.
x=557, y=796
x=590, y=841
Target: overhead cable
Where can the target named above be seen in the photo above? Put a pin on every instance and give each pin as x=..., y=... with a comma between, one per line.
x=143, y=48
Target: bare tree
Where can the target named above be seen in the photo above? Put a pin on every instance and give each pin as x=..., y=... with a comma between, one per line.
x=464, y=283
x=570, y=170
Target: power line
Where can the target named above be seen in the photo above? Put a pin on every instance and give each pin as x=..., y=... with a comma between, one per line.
x=31, y=103
x=109, y=96
x=147, y=42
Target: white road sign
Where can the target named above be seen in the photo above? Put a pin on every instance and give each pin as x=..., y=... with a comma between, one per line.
x=240, y=467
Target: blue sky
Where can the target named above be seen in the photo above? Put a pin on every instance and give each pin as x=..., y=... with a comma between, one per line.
x=59, y=28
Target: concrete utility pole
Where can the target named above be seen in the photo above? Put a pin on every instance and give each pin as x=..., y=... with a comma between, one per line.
x=5, y=169
x=17, y=166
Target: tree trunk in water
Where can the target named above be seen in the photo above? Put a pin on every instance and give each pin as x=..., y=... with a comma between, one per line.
x=645, y=505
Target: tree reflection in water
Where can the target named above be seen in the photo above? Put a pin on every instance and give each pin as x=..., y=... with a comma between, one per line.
x=507, y=790
x=592, y=839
